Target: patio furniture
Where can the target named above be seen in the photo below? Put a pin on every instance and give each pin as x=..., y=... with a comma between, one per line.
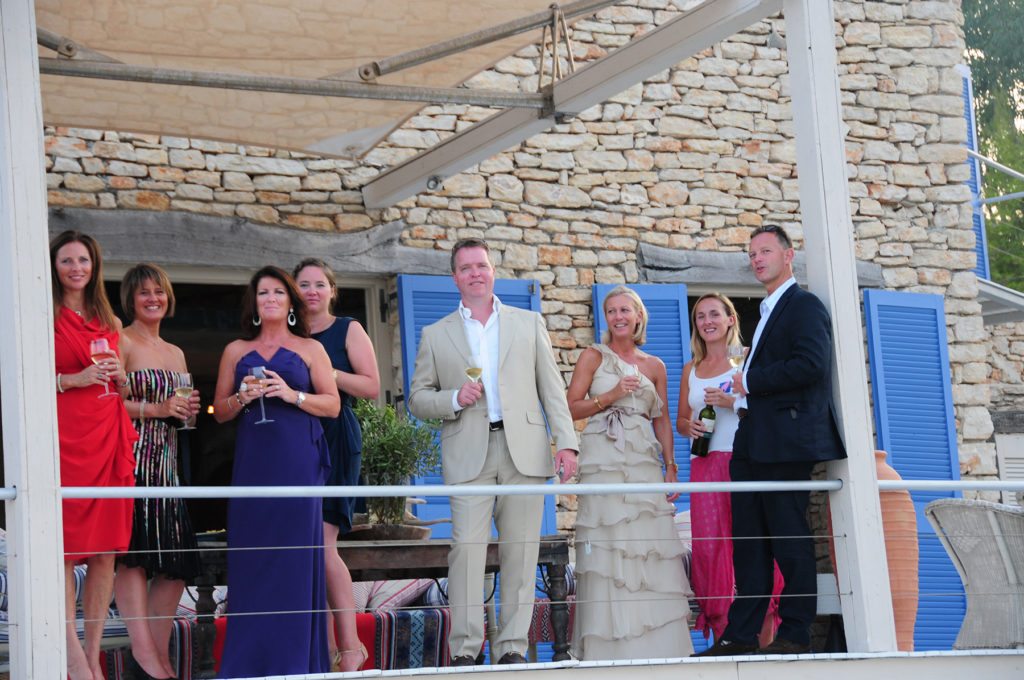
x=986, y=544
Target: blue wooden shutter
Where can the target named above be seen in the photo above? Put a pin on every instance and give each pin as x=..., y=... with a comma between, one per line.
x=977, y=210
x=422, y=300
x=668, y=338
x=913, y=402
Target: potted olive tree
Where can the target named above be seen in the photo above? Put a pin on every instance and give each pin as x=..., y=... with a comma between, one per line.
x=395, y=448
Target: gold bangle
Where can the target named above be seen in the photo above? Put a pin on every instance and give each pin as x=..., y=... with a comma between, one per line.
x=671, y=466
x=60, y=387
x=238, y=398
x=597, y=402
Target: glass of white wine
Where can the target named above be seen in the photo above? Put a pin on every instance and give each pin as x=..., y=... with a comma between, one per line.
x=474, y=373
x=99, y=351
x=737, y=355
x=184, y=391
x=632, y=369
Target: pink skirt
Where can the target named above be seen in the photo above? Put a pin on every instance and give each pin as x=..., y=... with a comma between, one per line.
x=711, y=572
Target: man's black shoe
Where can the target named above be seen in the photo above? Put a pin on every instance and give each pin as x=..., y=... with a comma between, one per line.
x=511, y=657
x=723, y=647
x=784, y=646
x=464, y=660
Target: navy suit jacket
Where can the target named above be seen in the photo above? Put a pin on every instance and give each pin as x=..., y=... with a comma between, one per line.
x=790, y=415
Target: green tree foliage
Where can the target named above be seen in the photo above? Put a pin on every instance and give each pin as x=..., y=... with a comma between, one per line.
x=995, y=49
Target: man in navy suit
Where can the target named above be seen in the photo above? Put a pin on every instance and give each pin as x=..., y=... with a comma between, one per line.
x=786, y=427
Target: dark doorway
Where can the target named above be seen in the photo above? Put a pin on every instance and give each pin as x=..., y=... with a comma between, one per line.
x=206, y=320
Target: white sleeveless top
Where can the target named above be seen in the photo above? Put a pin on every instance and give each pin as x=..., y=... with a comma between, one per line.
x=726, y=420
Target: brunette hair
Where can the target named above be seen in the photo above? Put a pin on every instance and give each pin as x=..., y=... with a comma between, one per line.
x=698, y=347
x=96, y=302
x=134, y=278
x=640, y=334
x=298, y=305
x=470, y=243
x=325, y=268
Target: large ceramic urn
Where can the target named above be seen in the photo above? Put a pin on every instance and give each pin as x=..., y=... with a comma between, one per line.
x=899, y=522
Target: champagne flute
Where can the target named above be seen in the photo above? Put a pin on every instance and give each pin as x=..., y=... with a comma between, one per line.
x=260, y=373
x=99, y=351
x=184, y=391
x=632, y=369
x=474, y=373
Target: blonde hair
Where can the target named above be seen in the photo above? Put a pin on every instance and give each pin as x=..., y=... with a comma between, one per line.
x=640, y=334
x=698, y=347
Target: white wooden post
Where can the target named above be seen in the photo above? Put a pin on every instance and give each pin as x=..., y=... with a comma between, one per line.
x=831, y=273
x=31, y=461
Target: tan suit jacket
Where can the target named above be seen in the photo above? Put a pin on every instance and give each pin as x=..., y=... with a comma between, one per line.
x=530, y=388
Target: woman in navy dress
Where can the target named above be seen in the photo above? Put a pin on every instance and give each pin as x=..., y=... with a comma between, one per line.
x=276, y=597
x=355, y=374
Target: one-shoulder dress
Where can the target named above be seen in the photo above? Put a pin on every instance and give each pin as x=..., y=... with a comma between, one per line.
x=632, y=591
x=277, y=600
x=163, y=542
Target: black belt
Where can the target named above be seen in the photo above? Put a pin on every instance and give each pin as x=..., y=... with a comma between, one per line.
x=741, y=412
x=496, y=425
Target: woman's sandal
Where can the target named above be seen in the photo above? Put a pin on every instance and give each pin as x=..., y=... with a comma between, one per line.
x=339, y=654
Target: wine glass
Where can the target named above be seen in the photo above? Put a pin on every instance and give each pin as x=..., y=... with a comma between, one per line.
x=632, y=369
x=737, y=355
x=184, y=391
x=474, y=373
x=260, y=373
x=99, y=350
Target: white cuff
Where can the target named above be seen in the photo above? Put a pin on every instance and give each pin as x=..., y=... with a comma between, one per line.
x=741, y=402
x=456, y=406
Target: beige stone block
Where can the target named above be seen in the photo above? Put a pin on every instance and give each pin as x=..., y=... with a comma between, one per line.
x=464, y=185
x=118, y=150
x=712, y=197
x=310, y=222
x=254, y=165
x=151, y=156
x=633, y=194
x=258, y=213
x=956, y=193
x=963, y=285
x=557, y=160
x=83, y=183
x=899, y=277
x=554, y=255
x=910, y=175
x=187, y=158
x=166, y=174
x=203, y=177
x=278, y=183
x=321, y=181
x=556, y=195
x=71, y=199
x=905, y=36
x=347, y=197
x=600, y=160
x=234, y=196
x=143, y=200
x=193, y=192
x=970, y=329
x=202, y=207
x=505, y=188
x=562, y=142
x=862, y=33
x=673, y=126
x=977, y=423
x=762, y=188
x=272, y=197
x=118, y=183
x=127, y=169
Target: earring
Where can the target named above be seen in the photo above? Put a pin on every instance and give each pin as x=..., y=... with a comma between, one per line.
x=256, y=320
x=291, y=317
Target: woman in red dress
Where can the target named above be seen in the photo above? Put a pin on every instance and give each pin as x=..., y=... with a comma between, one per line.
x=96, y=437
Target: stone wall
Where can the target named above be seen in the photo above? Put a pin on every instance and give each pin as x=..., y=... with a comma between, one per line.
x=1007, y=361
x=692, y=158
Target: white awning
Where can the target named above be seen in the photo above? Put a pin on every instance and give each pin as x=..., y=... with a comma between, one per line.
x=1000, y=304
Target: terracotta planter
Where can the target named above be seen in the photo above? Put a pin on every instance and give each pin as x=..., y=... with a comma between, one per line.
x=899, y=522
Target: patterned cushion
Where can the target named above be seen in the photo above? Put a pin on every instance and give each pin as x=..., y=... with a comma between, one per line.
x=384, y=595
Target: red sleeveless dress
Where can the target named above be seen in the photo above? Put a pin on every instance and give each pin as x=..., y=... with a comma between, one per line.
x=96, y=439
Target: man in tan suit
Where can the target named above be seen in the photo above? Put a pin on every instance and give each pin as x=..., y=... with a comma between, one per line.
x=493, y=432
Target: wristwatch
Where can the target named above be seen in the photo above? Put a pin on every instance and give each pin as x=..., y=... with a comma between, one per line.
x=301, y=397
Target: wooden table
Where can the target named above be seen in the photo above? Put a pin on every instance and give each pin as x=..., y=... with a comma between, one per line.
x=382, y=561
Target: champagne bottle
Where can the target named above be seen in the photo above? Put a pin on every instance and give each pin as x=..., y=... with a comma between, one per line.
x=701, y=444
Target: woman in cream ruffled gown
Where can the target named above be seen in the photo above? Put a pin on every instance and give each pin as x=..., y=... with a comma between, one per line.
x=631, y=597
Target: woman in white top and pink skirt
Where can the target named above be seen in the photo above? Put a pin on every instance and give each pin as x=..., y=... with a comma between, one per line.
x=707, y=380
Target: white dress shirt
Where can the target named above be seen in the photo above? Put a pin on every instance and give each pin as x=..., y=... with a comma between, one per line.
x=767, y=307
x=484, y=346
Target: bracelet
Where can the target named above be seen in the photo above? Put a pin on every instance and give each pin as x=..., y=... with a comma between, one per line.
x=600, y=406
x=124, y=384
x=238, y=398
x=60, y=387
x=671, y=466
x=142, y=411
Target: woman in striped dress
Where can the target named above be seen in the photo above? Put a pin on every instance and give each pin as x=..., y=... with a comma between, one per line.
x=162, y=556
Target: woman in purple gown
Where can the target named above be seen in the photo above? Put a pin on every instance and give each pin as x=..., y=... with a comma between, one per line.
x=277, y=382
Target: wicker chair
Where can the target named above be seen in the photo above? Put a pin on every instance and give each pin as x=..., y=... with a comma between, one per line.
x=986, y=543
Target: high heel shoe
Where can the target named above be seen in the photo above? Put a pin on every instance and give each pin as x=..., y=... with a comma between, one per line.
x=339, y=654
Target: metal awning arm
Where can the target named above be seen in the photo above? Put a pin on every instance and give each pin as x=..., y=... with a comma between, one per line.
x=374, y=69
x=315, y=87
x=69, y=49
